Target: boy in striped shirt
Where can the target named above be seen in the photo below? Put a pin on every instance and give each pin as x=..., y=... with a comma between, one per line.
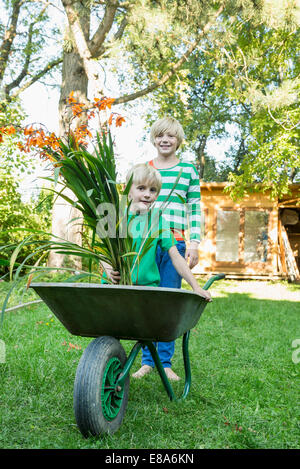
x=182, y=212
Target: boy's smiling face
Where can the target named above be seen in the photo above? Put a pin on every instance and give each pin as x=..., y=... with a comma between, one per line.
x=166, y=144
x=142, y=196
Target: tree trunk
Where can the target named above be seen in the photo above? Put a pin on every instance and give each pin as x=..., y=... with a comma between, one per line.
x=200, y=156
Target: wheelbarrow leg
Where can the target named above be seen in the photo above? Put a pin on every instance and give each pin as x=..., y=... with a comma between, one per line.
x=187, y=365
x=162, y=373
x=133, y=354
x=161, y=370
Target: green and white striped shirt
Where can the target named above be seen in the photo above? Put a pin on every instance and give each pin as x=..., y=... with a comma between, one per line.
x=180, y=215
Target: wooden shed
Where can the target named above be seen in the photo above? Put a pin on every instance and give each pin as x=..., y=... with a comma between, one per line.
x=256, y=237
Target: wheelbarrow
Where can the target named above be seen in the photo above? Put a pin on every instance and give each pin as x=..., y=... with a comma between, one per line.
x=111, y=313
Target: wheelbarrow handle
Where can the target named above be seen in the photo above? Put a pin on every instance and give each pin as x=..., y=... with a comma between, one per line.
x=212, y=280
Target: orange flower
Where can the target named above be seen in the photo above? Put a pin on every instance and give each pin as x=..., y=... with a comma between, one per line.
x=28, y=130
x=21, y=146
x=110, y=119
x=52, y=141
x=103, y=103
x=119, y=121
x=109, y=102
x=40, y=139
x=77, y=109
x=48, y=156
x=90, y=114
x=82, y=130
x=10, y=130
x=71, y=98
x=47, y=144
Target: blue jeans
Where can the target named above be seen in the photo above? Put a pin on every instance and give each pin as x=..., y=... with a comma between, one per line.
x=171, y=279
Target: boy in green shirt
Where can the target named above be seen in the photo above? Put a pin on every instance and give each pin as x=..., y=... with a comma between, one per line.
x=145, y=188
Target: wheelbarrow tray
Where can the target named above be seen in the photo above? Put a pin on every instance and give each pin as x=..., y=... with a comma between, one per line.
x=123, y=312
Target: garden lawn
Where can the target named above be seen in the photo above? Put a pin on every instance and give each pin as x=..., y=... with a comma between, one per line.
x=245, y=384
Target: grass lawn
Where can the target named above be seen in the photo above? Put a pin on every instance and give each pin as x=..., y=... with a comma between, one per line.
x=245, y=385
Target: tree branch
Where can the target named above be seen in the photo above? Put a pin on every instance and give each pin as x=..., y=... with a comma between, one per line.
x=156, y=84
x=121, y=29
x=36, y=77
x=104, y=27
x=281, y=124
x=24, y=71
x=117, y=36
x=9, y=37
x=47, y=4
x=28, y=53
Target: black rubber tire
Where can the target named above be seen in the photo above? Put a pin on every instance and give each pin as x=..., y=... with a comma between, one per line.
x=88, y=408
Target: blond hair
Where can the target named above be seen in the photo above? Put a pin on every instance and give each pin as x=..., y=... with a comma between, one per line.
x=142, y=173
x=167, y=124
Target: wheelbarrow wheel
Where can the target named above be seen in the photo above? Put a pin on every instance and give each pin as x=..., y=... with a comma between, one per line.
x=99, y=405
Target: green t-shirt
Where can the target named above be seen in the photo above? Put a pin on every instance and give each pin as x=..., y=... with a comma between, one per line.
x=146, y=271
x=141, y=228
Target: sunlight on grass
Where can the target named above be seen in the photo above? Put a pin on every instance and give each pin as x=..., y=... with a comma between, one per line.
x=276, y=291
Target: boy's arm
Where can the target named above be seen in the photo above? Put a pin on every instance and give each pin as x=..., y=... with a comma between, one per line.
x=193, y=205
x=184, y=271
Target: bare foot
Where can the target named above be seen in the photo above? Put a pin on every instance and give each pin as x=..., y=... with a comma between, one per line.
x=171, y=375
x=144, y=370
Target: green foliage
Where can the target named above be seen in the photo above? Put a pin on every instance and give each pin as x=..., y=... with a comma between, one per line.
x=268, y=166
x=12, y=161
x=156, y=36
x=10, y=111
x=15, y=214
x=203, y=107
x=245, y=73
x=261, y=71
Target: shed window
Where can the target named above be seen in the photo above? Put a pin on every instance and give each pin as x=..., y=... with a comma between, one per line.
x=256, y=236
x=228, y=227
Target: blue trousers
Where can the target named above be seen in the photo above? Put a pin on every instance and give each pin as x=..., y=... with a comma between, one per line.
x=171, y=279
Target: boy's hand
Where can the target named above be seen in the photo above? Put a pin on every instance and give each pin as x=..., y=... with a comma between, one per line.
x=113, y=275
x=192, y=255
x=204, y=293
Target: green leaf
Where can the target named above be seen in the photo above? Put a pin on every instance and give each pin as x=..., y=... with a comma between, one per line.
x=14, y=257
x=129, y=254
x=56, y=174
